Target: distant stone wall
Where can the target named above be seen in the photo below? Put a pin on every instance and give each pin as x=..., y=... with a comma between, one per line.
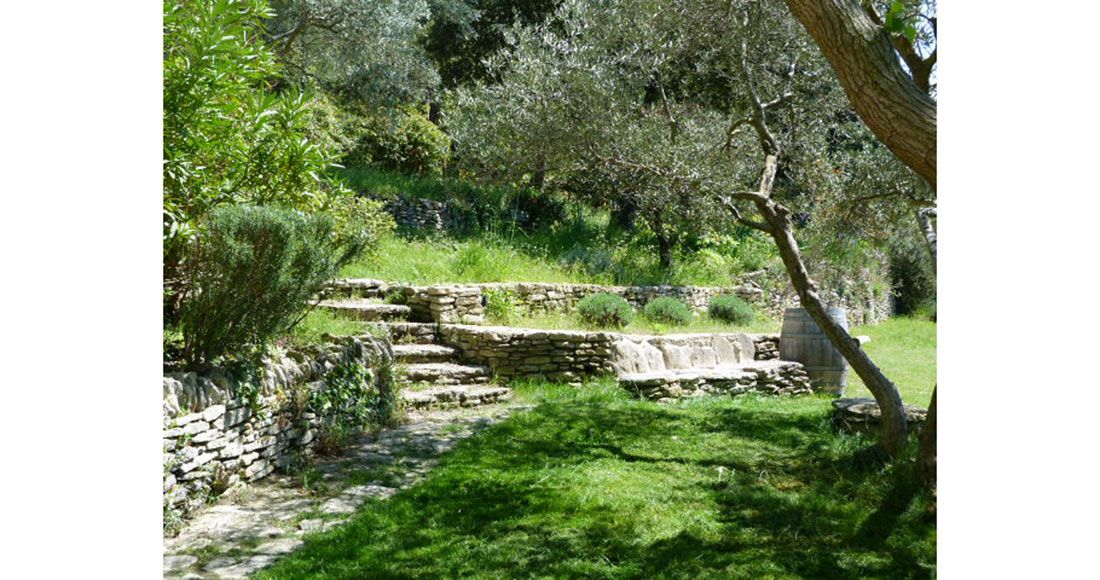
x=217, y=434
x=464, y=303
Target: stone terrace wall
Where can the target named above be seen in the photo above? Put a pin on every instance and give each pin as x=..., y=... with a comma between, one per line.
x=563, y=355
x=570, y=355
x=214, y=438
x=462, y=303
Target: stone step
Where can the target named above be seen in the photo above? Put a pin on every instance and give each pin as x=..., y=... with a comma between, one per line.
x=455, y=396
x=357, y=288
x=422, y=353
x=445, y=373
x=776, y=377
x=367, y=311
x=410, y=332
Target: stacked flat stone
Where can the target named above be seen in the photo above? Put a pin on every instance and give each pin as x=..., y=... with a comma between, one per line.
x=862, y=415
x=769, y=377
x=214, y=439
x=767, y=346
x=560, y=355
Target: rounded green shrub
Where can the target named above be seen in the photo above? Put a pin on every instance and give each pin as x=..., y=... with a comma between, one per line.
x=605, y=310
x=731, y=309
x=668, y=310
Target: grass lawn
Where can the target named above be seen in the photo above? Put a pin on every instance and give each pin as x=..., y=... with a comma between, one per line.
x=592, y=483
x=905, y=350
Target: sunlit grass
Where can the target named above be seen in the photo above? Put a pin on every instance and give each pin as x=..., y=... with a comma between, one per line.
x=591, y=483
x=905, y=350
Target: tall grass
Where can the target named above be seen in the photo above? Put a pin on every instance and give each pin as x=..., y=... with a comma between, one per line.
x=582, y=248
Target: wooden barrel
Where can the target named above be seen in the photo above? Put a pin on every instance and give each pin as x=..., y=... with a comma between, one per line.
x=802, y=341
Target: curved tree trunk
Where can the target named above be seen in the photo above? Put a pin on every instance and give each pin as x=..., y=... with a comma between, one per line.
x=885, y=392
x=901, y=115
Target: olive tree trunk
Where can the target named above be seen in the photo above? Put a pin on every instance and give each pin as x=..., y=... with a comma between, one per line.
x=896, y=110
x=777, y=224
x=886, y=394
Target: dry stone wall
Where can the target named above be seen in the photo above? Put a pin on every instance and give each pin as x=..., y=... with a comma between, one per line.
x=220, y=429
x=465, y=303
x=571, y=355
x=561, y=355
x=773, y=377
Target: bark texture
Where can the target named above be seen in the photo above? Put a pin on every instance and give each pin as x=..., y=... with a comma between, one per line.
x=896, y=110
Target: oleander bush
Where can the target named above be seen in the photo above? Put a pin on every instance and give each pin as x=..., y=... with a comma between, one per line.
x=668, y=310
x=605, y=310
x=731, y=309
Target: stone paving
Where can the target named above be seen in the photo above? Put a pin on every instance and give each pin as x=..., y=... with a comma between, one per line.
x=250, y=527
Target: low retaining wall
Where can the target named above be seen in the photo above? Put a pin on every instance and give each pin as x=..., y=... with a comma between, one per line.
x=571, y=355
x=219, y=429
x=561, y=355
x=465, y=303
x=773, y=377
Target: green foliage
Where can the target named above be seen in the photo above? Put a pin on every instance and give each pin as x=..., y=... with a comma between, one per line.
x=731, y=309
x=360, y=223
x=362, y=49
x=500, y=307
x=461, y=34
x=668, y=310
x=603, y=310
x=911, y=277
x=406, y=142
x=250, y=275
x=227, y=138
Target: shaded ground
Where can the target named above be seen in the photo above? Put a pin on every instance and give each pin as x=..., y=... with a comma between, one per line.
x=592, y=484
x=249, y=528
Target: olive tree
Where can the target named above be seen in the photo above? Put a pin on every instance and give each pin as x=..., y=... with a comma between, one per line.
x=365, y=49
x=685, y=105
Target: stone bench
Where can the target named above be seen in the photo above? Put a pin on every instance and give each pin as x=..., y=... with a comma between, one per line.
x=773, y=377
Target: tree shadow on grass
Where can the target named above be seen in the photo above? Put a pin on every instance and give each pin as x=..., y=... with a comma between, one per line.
x=515, y=502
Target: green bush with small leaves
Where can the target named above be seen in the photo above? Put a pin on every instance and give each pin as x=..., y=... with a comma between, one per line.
x=251, y=274
x=605, y=310
x=731, y=309
x=668, y=310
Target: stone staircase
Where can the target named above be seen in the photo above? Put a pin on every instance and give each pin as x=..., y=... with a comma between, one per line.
x=430, y=374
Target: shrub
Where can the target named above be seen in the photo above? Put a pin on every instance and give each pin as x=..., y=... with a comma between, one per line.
x=532, y=209
x=500, y=306
x=407, y=142
x=731, y=309
x=605, y=310
x=227, y=138
x=250, y=275
x=360, y=222
x=668, y=310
